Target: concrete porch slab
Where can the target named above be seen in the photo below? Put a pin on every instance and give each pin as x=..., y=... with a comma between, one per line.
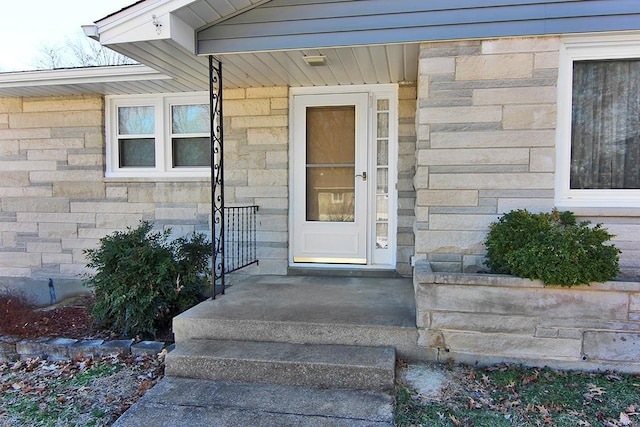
x=337, y=300
x=309, y=310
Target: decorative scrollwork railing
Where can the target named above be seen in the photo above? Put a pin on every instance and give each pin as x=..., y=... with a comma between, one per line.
x=233, y=229
x=217, y=176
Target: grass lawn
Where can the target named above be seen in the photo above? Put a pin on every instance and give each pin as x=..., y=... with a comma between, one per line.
x=517, y=396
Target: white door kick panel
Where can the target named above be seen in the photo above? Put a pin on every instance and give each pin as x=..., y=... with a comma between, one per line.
x=326, y=244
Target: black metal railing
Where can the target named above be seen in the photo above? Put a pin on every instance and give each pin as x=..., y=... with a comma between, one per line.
x=233, y=229
x=240, y=237
x=217, y=176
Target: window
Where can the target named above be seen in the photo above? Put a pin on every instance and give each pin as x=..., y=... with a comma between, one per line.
x=158, y=136
x=599, y=124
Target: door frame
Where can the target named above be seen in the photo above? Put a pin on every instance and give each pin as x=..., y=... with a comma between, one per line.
x=376, y=258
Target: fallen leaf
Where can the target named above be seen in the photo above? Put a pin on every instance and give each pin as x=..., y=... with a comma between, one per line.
x=542, y=409
x=596, y=391
x=624, y=419
x=530, y=379
x=455, y=420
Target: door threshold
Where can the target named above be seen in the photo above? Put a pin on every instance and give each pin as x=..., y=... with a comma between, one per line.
x=342, y=272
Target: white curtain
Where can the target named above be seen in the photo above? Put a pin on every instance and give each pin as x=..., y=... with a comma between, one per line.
x=605, y=134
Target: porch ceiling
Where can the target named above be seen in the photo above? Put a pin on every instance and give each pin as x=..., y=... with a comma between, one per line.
x=170, y=48
x=345, y=66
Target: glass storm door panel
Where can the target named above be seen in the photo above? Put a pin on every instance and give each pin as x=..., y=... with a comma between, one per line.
x=330, y=178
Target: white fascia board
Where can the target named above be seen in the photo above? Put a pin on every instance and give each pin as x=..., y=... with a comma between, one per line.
x=138, y=24
x=72, y=76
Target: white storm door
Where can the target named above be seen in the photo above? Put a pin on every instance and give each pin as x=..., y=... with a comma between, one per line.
x=330, y=196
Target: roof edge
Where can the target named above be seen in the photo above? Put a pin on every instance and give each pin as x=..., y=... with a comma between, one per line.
x=80, y=76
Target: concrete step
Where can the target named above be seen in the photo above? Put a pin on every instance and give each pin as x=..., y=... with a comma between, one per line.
x=200, y=323
x=199, y=403
x=316, y=365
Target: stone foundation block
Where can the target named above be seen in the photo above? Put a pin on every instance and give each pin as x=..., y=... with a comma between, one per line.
x=613, y=346
x=30, y=349
x=116, y=347
x=8, y=351
x=85, y=348
x=147, y=347
x=58, y=348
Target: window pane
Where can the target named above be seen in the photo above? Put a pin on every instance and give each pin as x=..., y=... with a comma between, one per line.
x=136, y=121
x=383, y=125
x=190, y=118
x=383, y=152
x=383, y=105
x=382, y=207
x=605, y=130
x=331, y=135
x=382, y=236
x=383, y=181
x=330, y=194
x=191, y=152
x=139, y=152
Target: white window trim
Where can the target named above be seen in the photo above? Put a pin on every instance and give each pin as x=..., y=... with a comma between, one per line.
x=578, y=49
x=162, y=106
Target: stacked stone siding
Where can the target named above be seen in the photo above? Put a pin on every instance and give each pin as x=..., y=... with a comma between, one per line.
x=51, y=163
x=486, y=145
x=55, y=201
x=257, y=167
x=486, y=138
x=487, y=319
x=406, y=171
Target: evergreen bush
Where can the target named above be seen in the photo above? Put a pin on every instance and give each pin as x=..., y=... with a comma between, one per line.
x=552, y=247
x=143, y=279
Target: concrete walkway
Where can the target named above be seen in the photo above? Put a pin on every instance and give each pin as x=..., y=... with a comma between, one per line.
x=187, y=402
x=283, y=312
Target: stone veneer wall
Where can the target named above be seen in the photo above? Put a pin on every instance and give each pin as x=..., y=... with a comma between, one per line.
x=406, y=171
x=257, y=167
x=486, y=136
x=55, y=201
x=486, y=145
x=486, y=318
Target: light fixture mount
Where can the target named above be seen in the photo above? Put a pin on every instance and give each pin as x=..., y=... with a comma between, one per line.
x=315, y=60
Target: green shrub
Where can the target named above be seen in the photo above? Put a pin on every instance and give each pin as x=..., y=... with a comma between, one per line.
x=552, y=247
x=142, y=279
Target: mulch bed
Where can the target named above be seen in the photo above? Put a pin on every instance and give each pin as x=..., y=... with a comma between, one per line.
x=19, y=318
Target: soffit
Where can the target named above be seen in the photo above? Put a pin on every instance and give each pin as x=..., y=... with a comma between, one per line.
x=116, y=80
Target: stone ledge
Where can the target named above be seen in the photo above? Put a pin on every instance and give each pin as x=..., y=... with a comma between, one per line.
x=12, y=349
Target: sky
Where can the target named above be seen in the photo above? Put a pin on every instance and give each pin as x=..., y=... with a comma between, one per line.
x=26, y=24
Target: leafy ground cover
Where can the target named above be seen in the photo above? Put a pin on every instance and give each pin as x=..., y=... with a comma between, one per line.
x=517, y=396
x=80, y=392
